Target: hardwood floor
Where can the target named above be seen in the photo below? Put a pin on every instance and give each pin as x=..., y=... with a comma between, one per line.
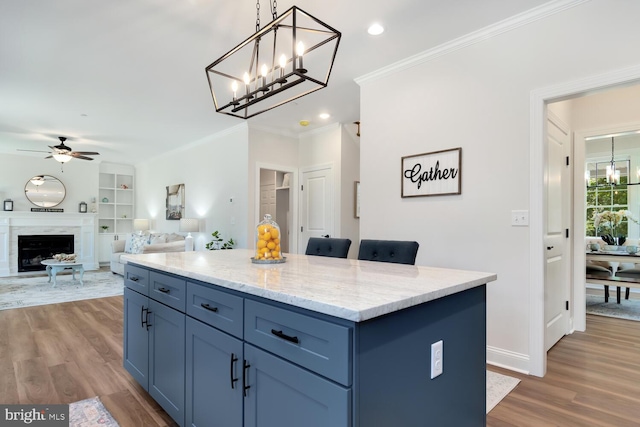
x=593, y=379
x=62, y=353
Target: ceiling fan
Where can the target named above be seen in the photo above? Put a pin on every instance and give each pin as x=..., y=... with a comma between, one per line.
x=63, y=153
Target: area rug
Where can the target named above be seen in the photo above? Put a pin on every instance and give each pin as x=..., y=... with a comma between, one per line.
x=627, y=309
x=18, y=292
x=90, y=413
x=498, y=387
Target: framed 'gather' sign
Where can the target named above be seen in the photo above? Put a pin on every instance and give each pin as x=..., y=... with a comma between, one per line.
x=432, y=174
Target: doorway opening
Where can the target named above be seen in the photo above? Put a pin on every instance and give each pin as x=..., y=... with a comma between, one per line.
x=276, y=197
x=540, y=99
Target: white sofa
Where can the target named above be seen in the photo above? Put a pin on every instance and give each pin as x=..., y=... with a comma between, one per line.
x=154, y=243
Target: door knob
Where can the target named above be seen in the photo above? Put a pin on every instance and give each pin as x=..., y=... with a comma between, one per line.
x=549, y=248
x=326, y=235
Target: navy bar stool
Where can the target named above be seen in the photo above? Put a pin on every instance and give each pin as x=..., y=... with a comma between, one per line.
x=326, y=246
x=396, y=251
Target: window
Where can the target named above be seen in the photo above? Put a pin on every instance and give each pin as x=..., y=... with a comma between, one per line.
x=602, y=196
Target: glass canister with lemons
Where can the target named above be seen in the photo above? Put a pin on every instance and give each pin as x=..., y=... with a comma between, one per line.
x=268, y=242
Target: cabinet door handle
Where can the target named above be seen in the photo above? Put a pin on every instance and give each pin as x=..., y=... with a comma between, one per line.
x=289, y=338
x=245, y=387
x=234, y=359
x=144, y=318
x=164, y=290
x=208, y=307
x=133, y=278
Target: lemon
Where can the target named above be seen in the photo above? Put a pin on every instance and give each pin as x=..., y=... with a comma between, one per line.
x=266, y=236
x=261, y=244
x=274, y=233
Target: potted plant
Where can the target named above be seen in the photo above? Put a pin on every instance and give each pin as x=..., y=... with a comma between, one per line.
x=104, y=228
x=218, y=242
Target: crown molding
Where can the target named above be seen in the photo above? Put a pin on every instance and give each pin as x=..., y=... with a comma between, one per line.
x=321, y=130
x=273, y=131
x=225, y=132
x=501, y=27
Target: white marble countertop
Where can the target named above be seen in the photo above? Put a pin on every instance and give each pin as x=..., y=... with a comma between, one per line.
x=344, y=288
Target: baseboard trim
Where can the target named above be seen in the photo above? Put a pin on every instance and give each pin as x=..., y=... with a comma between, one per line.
x=506, y=359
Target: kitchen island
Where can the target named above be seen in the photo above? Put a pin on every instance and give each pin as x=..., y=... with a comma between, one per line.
x=315, y=341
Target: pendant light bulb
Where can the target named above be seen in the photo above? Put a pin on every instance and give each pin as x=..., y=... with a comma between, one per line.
x=264, y=70
x=300, y=49
x=246, y=78
x=283, y=61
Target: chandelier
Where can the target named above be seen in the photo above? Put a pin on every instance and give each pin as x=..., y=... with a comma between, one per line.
x=612, y=173
x=290, y=57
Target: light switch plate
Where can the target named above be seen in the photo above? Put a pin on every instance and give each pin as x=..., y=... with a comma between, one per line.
x=520, y=218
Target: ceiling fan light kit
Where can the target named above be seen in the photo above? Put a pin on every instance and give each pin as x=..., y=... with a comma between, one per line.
x=63, y=153
x=290, y=57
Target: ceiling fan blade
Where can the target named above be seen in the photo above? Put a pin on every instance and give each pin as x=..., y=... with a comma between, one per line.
x=35, y=151
x=49, y=157
x=78, y=156
x=86, y=153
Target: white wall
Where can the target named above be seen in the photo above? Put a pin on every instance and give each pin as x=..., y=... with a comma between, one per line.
x=478, y=98
x=214, y=171
x=80, y=179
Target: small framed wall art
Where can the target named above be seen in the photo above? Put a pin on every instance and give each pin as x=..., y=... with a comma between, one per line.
x=8, y=205
x=432, y=174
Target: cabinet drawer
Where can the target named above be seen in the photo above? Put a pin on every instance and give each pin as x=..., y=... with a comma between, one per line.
x=168, y=290
x=318, y=345
x=216, y=308
x=136, y=278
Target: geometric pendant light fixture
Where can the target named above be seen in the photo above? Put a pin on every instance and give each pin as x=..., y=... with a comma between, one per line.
x=290, y=57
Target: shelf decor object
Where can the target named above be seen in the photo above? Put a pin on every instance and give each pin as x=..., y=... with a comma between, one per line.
x=8, y=205
x=290, y=57
x=189, y=225
x=82, y=207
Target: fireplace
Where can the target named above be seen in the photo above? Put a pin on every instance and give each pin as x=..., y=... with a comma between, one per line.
x=35, y=248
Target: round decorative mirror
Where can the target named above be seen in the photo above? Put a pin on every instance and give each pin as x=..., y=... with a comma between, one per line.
x=45, y=191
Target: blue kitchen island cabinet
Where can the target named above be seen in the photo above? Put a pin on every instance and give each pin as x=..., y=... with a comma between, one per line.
x=150, y=352
x=316, y=342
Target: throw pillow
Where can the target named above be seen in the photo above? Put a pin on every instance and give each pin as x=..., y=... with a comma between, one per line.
x=127, y=243
x=173, y=237
x=157, y=238
x=137, y=243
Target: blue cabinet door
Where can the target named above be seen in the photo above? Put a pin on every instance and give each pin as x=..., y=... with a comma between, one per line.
x=136, y=338
x=281, y=394
x=166, y=359
x=214, y=377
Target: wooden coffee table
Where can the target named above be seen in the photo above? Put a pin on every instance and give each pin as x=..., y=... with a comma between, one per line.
x=53, y=267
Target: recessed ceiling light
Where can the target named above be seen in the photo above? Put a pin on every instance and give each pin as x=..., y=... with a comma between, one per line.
x=325, y=116
x=375, y=29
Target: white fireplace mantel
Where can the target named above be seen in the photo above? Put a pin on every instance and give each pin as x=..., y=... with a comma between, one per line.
x=15, y=223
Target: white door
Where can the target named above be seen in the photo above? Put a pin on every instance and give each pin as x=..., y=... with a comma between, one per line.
x=316, y=205
x=557, y=248
x=268, y=200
